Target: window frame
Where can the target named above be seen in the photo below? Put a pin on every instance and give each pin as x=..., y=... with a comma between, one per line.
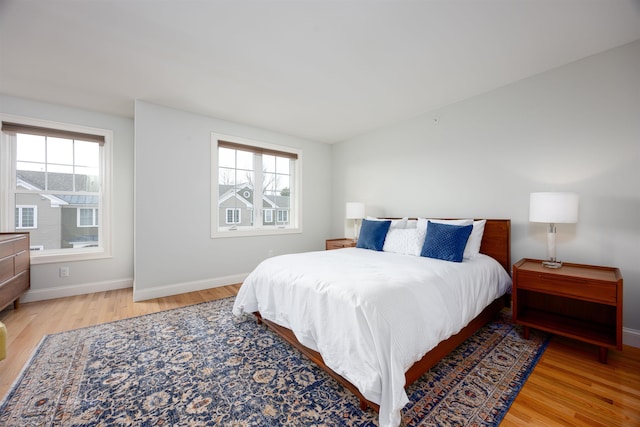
x=35, y=217
x=95, y=221
x=236, y=219
x=8, y=186
x=268, y=215
x=295, y=208
x=282, y=213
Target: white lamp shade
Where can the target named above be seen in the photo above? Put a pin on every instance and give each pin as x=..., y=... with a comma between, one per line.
x=553, y=207
x=355, y=210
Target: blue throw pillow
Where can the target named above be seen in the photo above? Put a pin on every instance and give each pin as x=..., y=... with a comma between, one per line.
x=446, y=241
x=372, y=234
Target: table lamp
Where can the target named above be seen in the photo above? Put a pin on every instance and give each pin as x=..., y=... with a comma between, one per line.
x=355, y=211
x=553, y=208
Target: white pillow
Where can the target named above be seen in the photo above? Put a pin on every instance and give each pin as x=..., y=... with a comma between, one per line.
x=406, y=241
x=412, y=223
x=395, y=223
x=422, y=222
x=475, y=239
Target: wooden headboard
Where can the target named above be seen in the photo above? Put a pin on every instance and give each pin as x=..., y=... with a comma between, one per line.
x=496, y=241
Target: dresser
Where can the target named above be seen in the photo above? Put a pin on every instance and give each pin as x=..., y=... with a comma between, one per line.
x=14, y=268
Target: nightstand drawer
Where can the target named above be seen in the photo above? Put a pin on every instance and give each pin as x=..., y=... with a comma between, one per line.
x=574, y=287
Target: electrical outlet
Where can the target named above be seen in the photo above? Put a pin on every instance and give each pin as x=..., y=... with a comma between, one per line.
x=64, y=271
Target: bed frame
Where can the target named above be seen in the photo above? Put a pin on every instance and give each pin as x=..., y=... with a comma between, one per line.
x=496, y=242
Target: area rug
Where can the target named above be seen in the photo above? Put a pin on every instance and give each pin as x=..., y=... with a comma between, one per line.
x=201, y=366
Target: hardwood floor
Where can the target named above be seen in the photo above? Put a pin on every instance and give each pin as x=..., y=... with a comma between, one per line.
x=568, y=386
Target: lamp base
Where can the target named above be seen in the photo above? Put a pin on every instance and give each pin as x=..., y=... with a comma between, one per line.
x=552, y=264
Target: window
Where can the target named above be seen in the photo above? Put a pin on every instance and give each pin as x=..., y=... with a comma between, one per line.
x=233, y=216
x=56, y=177
x=87, y=217
x=268, y=216
x=26, y=217
x=259, y=181
x=283, y=216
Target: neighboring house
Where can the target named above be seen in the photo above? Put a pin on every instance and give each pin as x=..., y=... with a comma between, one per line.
x=236, y=207
x=57, y=221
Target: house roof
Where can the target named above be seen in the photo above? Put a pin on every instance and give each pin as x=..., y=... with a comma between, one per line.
x=226, y=191
x=33, y=180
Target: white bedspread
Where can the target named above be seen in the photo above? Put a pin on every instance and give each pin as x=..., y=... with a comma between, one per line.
x=371, y=315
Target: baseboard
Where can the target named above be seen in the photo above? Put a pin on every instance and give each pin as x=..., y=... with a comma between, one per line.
x=33, y=295
x=631, y=337
x=181, y=288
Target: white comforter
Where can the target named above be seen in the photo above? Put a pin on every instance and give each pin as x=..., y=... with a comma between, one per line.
x=371, y=315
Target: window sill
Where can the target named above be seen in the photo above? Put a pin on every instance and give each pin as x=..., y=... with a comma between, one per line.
x=250, y=233
x=67, y=255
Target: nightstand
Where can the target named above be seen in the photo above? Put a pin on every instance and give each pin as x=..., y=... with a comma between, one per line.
x=340, y=243
x=583, y=302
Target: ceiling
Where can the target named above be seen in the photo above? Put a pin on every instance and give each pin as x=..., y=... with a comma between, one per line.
x=317, y=69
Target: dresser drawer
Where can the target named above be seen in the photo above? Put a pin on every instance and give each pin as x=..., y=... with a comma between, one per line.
x=21, y=244
x=574, y=287
x=22, y=262
x=6, y=268
x=6, y=248
x=12, y=289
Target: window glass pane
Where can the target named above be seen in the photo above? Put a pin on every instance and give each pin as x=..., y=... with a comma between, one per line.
x=30, y=148
x=226, y=176
x=30, y=166
x=59, y=178
x=269, y=183
x=226, y=158
x=86, y=179
x=60, y=151
x=86, y=233
x=282, y=184
x=245, y=178
x=282, y=165
x=86, y=154
x=269, y=163
x=244, y=160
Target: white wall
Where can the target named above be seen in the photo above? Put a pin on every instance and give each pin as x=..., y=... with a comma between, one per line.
x=574, y=128
x=101, y=274
x=174, y=252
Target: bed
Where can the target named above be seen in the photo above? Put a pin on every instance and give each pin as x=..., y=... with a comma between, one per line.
x=377, y=320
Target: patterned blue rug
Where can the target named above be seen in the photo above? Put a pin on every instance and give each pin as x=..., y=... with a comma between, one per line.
x=199, y=366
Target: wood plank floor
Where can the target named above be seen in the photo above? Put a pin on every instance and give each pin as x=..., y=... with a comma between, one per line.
x=568, y=386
